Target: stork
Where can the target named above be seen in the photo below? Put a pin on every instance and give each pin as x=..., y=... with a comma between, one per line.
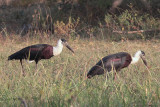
x=39, y=51
x=116, y=61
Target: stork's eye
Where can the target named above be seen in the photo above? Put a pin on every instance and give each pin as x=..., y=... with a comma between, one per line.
x=63, y=40
x=143, y=54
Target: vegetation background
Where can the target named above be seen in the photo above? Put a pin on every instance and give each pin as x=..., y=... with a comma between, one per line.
x=94, y=29
x=81, y=18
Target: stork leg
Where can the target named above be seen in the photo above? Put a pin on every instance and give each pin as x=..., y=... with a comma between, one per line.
x=115, y=76
x=23, y=73
x=36, y=67
x=36, y=63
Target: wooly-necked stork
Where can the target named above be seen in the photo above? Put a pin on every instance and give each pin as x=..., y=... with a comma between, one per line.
x=115, y=61
x=39, y=51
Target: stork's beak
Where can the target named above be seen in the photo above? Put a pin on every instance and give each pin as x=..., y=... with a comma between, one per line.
x=66, y=44
x=144, y=60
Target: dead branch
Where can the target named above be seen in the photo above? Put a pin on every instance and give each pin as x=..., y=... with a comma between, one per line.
x=138, y=31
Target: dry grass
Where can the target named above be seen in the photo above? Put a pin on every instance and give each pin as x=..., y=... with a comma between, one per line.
x=60, y=81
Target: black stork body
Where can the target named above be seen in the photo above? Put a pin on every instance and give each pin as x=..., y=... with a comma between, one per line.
x=39, y=51
x=115, y=61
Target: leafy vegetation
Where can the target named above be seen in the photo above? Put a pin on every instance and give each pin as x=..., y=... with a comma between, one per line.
x=79, y=19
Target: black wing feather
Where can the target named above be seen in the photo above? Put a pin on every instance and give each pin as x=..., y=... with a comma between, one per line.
x=31, y=52
x=116, y=61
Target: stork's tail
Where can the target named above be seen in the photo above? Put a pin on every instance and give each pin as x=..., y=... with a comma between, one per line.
x=11, y=57
x=14, y=56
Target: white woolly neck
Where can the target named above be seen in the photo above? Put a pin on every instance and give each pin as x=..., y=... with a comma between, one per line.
x=58, y=49
x=136, y=57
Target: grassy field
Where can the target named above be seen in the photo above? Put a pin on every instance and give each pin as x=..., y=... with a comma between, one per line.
x=61, y=80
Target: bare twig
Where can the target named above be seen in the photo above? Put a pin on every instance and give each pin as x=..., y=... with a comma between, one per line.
x=138, y=31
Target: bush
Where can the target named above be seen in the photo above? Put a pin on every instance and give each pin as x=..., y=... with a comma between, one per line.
x=132, y=20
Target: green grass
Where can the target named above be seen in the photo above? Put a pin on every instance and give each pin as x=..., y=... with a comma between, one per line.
x=61, y=80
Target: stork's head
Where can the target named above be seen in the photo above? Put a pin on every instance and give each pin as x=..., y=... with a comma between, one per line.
x=139, y=54
x=64, y=42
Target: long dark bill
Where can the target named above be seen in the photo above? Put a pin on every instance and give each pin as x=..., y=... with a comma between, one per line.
x=69, y=47
x=144, y=60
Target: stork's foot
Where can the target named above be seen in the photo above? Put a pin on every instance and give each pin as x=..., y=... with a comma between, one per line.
x=23, y=73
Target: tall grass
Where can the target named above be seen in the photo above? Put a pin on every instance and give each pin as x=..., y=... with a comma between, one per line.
x=61, y=80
